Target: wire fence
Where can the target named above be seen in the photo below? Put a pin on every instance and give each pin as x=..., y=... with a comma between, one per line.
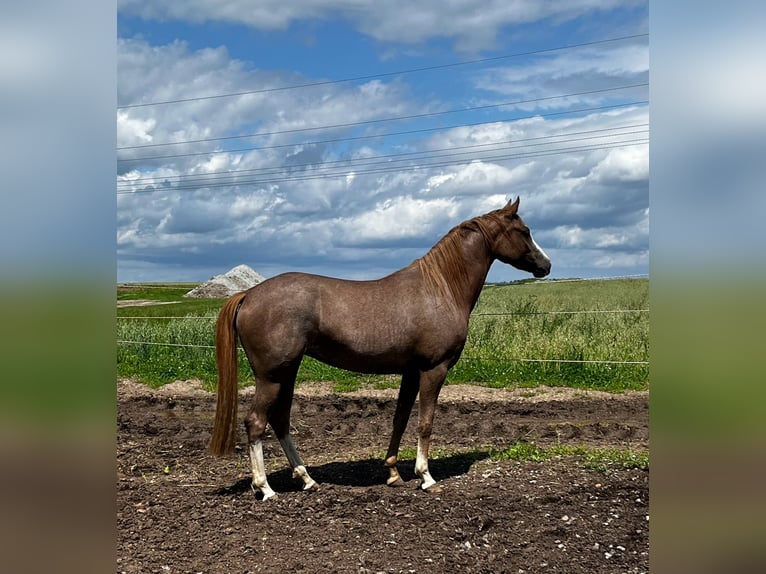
x=508, y=314
x=490, y=359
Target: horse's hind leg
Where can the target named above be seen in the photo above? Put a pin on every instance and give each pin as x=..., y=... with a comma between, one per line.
x=280, y=422
x=266, y=395
x=407, y=393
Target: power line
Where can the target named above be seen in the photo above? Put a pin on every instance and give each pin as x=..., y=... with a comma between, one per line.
x=230, y=178
x=390, y=119
x=346, y=173
x=386, y=74
x=215, y=175
x=389, y=134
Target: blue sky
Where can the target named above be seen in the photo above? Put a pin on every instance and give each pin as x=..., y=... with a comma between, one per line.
x=358, y=178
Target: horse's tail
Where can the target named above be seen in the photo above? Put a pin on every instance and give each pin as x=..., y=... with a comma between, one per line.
x=224, y=428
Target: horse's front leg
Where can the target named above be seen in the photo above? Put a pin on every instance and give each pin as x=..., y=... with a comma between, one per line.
x=407, y=393
x=430, y=384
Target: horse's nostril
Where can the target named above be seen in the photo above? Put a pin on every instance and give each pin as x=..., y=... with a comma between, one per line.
x=543, y=270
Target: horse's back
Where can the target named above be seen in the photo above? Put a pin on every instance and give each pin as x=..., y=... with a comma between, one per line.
x=300, y=305
x=383, y=326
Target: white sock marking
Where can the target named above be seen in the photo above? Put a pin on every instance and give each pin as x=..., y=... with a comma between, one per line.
x=421, y=468
x=299, y=470
x=259, y=470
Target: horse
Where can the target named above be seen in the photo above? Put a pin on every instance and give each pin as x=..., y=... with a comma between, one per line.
x=413, y=323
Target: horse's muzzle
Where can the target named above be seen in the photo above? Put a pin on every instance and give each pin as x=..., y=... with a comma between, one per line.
x=542, y=271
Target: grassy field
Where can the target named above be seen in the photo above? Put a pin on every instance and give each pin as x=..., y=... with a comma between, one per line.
x=558, y=333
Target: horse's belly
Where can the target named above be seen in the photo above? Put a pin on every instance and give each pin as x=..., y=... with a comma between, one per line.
x=384, y=356
x=360, y=358
x=370, y=343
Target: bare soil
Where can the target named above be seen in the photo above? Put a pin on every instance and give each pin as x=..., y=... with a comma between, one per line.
x=181, y=510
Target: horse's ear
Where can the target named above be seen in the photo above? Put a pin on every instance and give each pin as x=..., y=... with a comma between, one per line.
x=512, y=207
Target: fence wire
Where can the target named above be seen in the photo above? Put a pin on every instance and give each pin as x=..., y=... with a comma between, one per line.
x=487, y=359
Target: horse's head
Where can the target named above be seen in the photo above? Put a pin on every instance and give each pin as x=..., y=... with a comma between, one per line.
x=514, y=244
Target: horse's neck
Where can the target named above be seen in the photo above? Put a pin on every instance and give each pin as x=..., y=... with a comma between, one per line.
x=477, y=260
x=457, y=268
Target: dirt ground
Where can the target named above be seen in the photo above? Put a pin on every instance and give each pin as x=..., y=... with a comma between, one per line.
x=180, y=510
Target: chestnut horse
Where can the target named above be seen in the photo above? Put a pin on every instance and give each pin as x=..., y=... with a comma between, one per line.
x=413, y=322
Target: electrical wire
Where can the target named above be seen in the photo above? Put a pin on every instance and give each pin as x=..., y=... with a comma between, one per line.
x=389, y=134
x=385, y=74
x=230, y=177
x=346, y=173
x=391, y=119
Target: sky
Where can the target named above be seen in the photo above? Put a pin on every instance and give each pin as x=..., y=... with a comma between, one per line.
x=346, y=137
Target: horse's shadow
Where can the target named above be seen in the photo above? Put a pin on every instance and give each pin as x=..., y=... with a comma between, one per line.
x=362, y=473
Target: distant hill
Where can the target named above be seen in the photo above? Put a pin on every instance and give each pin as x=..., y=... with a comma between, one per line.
x=238, y=279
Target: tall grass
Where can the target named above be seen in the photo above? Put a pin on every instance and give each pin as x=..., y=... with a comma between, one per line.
x=159, y=364
x=513, y=348
x=510, y=325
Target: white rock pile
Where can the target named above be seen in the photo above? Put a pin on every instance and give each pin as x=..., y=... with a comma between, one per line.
x=238, y=279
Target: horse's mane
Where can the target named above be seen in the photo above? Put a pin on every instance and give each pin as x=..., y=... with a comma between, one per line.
x=442, y=268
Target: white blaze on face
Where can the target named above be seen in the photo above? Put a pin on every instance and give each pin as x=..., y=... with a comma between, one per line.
x=540, y=249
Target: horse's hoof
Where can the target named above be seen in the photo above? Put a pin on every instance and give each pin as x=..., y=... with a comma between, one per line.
x=433, y=489
x=313, y=487
x=396, y=482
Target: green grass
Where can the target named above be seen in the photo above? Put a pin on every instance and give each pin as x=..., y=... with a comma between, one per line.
x=159, y=364
x=525, y=330
x=495, y=343
x=597, y=459
x=153, y=291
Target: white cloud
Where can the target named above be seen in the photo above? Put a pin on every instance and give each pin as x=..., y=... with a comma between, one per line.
x=396, y=219
x=171, y=72
x=248, y=205
x=572, y=71
x=626, y=164
x=633, y=237
x=572, y=201
x=621, y=260
x=476, y=177
x=472, y=24
x=134, y=131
